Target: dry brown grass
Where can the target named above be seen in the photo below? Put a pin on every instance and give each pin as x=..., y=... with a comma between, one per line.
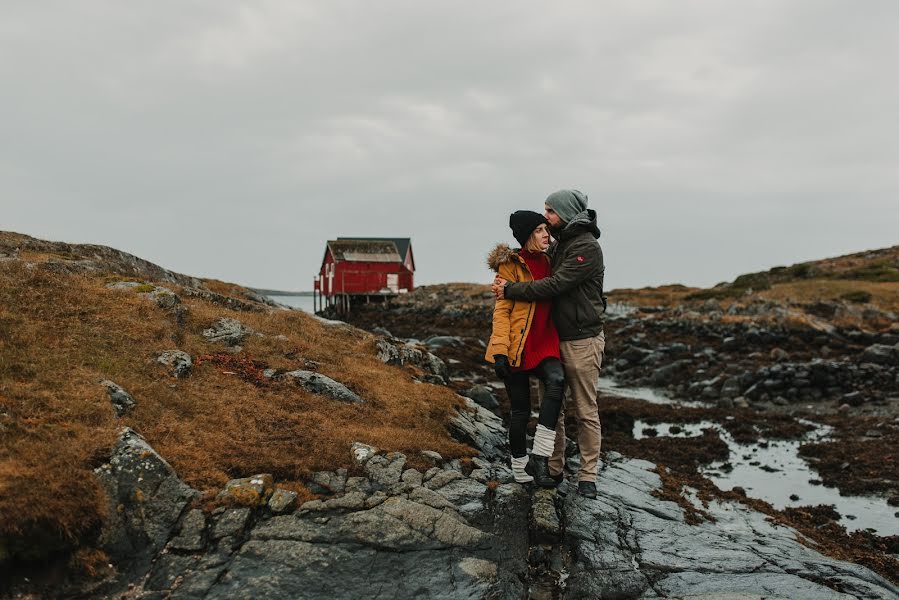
x=62, y=334
x=665, y=295
x=884, y=295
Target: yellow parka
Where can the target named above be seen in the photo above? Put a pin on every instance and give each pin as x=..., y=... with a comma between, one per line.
x=511, y=318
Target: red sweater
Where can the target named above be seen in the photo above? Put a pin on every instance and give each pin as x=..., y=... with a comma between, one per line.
x=543, y=340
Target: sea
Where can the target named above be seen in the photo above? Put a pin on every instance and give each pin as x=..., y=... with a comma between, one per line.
x=303, y=303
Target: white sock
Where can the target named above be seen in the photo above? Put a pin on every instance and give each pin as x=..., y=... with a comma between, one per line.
x=544, y=441
x=518, y=465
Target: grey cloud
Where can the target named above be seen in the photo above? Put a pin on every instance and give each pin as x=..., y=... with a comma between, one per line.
x=231, y=140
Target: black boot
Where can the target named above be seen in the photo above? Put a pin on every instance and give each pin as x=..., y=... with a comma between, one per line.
x=538, y=468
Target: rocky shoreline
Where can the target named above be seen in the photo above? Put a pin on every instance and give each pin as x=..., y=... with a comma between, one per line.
x=385, y=523
x=715, y=368
x=460, y=529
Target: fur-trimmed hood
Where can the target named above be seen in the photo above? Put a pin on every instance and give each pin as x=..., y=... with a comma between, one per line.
x=500, y=255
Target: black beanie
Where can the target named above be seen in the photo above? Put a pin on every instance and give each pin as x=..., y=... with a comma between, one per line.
x=523, y=224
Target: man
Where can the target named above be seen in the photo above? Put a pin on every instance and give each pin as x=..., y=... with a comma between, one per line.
x=576, y=287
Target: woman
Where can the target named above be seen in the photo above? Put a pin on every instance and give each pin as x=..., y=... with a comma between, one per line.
x=525, y=343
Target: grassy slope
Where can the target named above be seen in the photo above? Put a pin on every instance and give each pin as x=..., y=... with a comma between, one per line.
x=865, y=277
x=62, y=333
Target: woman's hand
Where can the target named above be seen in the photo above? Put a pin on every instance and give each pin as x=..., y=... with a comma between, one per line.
x=499, y=285
x=501, y=366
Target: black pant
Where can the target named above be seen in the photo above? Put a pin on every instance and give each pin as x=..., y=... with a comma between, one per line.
x=518, y=387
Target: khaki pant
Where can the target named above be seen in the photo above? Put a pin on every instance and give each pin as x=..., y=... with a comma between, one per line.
x=582, y=360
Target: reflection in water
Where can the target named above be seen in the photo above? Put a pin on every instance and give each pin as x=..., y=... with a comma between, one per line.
x=772, y=470
x=611, y=387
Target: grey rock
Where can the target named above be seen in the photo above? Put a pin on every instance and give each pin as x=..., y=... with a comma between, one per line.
x=429, y=497
x=443, y=341
x=394, y=352
x=855, y=398
x=437, y=368
x=779, y=355
x=466, y=494
x=180, y=362
x=358, y=484
x=248, y=491
x=146, y=499
x=349, y=501
x=732, y=387
x=231, y=523
x=478, y=568
x=330, y=482
x=430, y=454
x=442, y=478
x=387, y=352
x=376, y=499
x=121, y=400
x=412, y=477
x=227, y=331
x=282, y=501
x=481, y=429
x=362, y=452
x=162, y=296
x=483, y=396
x=321, y=384
x=191, y=537
x=668, y=373
x=881, y=354
x=545, y=523
x=481, y=475
x=385, y=469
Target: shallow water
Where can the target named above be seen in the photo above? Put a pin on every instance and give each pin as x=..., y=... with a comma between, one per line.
x=304, y=303
x=609, y=386
x=773, y=471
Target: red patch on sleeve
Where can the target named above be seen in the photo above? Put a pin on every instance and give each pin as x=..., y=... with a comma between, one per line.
x=580, y=259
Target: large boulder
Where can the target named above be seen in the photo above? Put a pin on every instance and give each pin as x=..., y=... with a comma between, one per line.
x=227, y=331
x=396, y=352
x=481, y=429
x=483, y=396
x=146, y=499
x=881, y=354
x=179, y=361
x=321, y=384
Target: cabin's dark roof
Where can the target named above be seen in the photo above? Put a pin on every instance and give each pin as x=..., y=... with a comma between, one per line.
x=357, y=250
x=402, y=244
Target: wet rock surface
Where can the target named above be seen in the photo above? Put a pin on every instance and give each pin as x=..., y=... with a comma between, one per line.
x=756, y=369
x=629, y=544
x=398, y=533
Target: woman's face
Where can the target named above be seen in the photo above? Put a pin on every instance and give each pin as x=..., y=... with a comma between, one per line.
x=539, y=239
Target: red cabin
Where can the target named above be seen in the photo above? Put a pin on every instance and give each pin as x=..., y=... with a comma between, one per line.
x=365, y=267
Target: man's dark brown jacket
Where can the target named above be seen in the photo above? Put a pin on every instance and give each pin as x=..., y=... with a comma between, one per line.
x=576, y=283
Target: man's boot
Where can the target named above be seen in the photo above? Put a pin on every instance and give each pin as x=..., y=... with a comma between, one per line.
x=586, y=489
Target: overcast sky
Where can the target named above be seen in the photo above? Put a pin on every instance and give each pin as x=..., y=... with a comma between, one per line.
x=232, y=139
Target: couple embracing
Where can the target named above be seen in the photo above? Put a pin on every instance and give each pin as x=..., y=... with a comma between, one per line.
x=548, y=324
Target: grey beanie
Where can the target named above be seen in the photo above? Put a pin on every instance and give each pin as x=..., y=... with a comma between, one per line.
x=567, y=203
